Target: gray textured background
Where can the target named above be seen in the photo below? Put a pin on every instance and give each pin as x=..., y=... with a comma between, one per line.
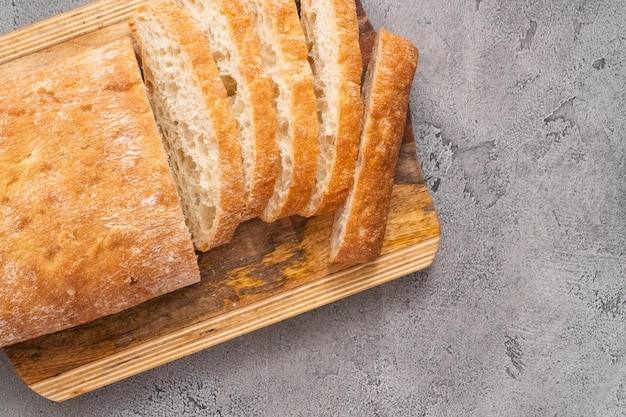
x=520, y=113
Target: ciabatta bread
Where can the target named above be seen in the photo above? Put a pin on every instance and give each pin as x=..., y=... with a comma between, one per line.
x=191, y=107
x=331, y=29
x=90, y=221
x=250, y=90
x=284, y=55
x=359, y=225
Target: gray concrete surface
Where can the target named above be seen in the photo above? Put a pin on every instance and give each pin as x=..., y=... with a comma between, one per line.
x=520, y=113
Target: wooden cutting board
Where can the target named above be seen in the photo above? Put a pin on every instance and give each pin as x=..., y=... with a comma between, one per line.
x=268, y=273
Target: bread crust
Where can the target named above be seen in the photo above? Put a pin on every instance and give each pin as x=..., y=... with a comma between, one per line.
x=259, y=90
x=289, y=47
x=230, y=204
x=330, y=193
x=359, y=225
x=91, y=222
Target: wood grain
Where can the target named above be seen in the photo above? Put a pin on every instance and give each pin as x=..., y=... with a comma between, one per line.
x=268, y=273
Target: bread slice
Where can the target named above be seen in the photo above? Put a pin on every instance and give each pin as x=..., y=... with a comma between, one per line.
x=331, y=29
x=284, y=55
x=359, y=225
x=91, y=222
x=199, y=129
x=250, y=90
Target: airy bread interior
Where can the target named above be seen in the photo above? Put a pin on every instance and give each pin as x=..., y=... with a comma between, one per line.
x=183, y=106
x=284, y=55
x=332, y=34
x=236, y=53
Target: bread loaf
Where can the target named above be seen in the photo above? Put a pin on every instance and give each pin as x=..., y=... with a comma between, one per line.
x=200, y=133
x=359, y=225
x=284, y=55
x=250, y=90
x=332, y=33
x=90, y=220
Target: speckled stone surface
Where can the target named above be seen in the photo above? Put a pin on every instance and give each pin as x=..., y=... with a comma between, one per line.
x=519, y=114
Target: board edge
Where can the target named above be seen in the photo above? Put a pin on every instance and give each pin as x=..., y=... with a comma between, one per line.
x=208, y=333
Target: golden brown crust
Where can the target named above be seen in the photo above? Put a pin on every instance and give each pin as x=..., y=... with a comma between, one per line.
x=346, y=143
x=91, y=223
x=304, y=147
x=359, y=227
x=230, y=204
x=291, y=46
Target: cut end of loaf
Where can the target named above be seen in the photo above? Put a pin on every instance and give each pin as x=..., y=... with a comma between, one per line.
x=191, y=108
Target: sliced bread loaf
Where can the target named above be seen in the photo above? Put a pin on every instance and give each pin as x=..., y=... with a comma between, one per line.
x=198, y=126
x=359, y=225
x=91, y=223
x=284, y=55
x=250, y=90
x=332, y=32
